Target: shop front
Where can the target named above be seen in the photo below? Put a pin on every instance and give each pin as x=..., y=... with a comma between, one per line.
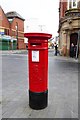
x=7, y=43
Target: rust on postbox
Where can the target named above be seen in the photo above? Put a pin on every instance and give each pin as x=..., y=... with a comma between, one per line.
x=38, y=69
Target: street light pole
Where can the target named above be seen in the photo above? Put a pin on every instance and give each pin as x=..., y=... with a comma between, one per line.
x=41, y=27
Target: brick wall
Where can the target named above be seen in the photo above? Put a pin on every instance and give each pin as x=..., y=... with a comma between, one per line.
x=20, y=27
x=3, y=21
x=63, y=8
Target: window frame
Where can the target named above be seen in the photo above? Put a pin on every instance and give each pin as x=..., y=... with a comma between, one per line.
x=72, y=4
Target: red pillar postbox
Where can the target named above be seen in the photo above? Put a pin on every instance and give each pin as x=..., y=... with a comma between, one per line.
x=38, y=69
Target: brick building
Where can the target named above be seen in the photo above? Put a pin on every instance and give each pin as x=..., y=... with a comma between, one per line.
x=69, y=25
x=12, y=26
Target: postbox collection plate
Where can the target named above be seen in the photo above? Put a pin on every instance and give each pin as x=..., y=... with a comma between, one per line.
x=35, y=56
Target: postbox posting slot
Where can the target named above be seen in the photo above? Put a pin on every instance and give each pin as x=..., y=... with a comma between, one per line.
x=35, y=44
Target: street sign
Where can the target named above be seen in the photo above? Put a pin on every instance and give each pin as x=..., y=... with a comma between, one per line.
x=1, y=31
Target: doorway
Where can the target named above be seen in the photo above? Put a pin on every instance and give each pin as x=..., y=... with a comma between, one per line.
x=73, y=39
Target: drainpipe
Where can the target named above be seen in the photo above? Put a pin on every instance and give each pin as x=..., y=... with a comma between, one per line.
x=78, y=44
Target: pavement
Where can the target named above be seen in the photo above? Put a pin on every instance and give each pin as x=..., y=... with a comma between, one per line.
x=13, y=52
x=51, y=53
x=62, y=87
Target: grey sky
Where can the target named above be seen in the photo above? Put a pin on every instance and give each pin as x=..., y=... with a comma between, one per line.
x=36, y=13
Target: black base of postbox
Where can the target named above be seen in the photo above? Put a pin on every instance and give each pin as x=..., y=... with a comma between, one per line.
x=38, y=100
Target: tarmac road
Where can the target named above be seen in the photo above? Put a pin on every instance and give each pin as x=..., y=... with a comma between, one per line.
x=63, y=88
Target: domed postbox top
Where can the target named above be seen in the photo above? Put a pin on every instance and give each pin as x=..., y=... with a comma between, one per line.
x=38, y=35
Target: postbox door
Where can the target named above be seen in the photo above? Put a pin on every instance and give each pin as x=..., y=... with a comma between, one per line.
x=38, y=69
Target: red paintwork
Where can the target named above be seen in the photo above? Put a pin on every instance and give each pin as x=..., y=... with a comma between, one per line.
x=38, y=71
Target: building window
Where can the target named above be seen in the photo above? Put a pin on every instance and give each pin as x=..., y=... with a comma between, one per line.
x=10, y=19
x=72, y=4
x=6, y=32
